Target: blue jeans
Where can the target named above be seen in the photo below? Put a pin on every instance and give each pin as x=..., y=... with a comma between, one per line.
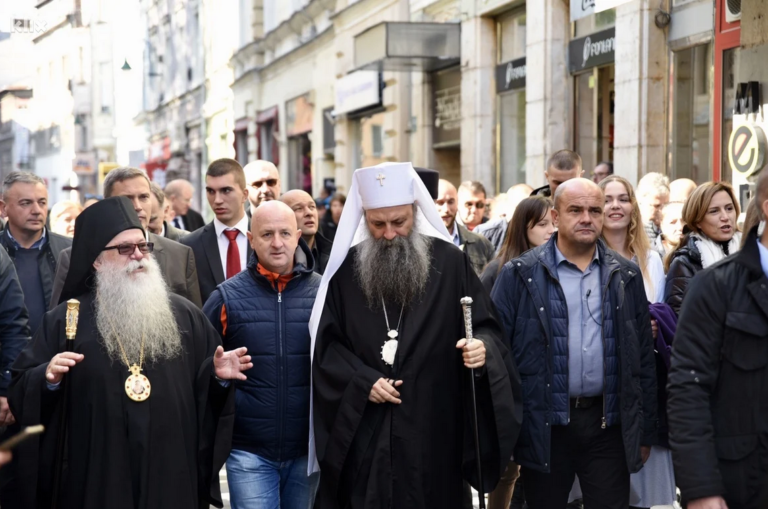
x=257, y=483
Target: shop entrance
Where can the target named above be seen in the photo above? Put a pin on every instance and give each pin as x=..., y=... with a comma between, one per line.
x=594, y=105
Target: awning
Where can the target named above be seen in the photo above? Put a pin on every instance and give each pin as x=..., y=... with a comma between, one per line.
x=405, y=46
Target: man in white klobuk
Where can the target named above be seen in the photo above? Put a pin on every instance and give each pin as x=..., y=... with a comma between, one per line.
x=391, y=368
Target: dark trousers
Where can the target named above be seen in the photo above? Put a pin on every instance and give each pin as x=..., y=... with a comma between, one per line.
x=582, y=448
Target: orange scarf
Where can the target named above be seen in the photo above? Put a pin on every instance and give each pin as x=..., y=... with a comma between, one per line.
x=277, y=280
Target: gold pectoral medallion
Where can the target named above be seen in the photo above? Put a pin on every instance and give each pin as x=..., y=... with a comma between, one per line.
x=137, y=386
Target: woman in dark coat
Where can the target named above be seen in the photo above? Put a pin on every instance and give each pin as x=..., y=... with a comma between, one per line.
x=330, y=221
x=709, y=235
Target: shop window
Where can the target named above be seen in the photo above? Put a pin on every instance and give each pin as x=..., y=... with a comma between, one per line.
x=511, y=32
x=365, y=143
x=511, y=139
x=266, y=135
x=594, y=122
x=241, y=146
x=595, y=23
x=691, y=76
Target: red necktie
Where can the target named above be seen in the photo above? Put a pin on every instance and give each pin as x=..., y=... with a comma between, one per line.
x=233, y=253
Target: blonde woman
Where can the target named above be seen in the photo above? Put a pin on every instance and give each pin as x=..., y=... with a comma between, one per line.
x=624, y=232
x=709, y=235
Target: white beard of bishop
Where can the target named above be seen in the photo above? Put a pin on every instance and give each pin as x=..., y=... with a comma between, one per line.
x=130, y=306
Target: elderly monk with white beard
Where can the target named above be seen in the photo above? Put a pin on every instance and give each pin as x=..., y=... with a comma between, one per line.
x=391, y=378
x=150, y=402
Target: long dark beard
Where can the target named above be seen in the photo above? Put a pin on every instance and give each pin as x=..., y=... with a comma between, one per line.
x=394, y=270
x=129, y=308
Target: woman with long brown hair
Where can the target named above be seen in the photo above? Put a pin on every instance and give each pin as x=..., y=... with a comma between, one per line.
x=624, y=232
x=709, y=235
x=531, y=225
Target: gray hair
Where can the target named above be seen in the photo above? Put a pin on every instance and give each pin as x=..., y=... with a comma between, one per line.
x=119, y=175
x=159, y=194
x=653, y=183
x=20, y=177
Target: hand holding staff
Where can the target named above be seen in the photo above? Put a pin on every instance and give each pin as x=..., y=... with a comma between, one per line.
x=473, y=357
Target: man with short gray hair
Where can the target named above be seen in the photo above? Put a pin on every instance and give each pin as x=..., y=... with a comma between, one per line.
x=652, y=195
x=32, y=247
x=157, y=223
x=179, y=193
x=176, y=261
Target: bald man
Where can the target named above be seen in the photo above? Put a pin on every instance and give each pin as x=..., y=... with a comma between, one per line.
x=495, y=230
x=576, y=317
x=717, y=389
x=266, y=309
x=477, y=247
x=303, y=205
x=263, y=182
x=680, y=190
x=179, y=194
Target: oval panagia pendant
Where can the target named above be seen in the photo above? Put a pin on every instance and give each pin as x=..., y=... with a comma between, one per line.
x=137, y=386
x=388, y=351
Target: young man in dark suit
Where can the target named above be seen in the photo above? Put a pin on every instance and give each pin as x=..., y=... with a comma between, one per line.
x=221, y=247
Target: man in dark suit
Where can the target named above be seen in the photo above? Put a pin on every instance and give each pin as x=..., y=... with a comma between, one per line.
x=157, y=223
x=221, y=247
x=303, y=205
x=179, y=193
x=177, y=262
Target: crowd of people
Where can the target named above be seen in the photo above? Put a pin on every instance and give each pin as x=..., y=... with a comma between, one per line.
x=317, y=349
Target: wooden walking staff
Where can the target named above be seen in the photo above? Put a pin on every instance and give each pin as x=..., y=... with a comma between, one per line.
x=466, y=304
x=70, y=328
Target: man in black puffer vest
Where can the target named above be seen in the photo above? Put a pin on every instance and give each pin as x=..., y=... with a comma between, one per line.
x=266, y=308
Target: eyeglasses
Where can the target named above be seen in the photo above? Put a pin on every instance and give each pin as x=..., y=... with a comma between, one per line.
x=269, y=182
x=127, y=249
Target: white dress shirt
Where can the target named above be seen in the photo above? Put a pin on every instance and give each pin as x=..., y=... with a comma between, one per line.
x=242, y=241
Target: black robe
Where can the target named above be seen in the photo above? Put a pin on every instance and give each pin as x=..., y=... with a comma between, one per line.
x=412, y=455
x=163, y=452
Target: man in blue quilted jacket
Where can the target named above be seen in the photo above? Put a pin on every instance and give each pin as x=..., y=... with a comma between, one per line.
x=576, y=320
x=266, y=308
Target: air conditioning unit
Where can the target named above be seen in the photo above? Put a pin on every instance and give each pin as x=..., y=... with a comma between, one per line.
x=732, y=10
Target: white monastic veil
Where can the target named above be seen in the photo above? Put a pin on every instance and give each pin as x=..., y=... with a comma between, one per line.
x=384, y=185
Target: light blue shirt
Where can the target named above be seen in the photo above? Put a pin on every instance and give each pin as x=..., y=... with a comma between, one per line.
x=585, y=331
x=39, y=243
x=455, y=235
x=763, y=256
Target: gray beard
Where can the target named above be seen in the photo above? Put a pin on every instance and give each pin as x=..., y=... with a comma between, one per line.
x=129, y=307
x=394, y=270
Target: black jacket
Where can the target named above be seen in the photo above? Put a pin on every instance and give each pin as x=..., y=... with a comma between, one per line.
x=544, y=190
x=327, y=226
x=477, y=247
x=686, y=263
x=495, y=231
x=321, y=252
x=193, y=220
x=47, y=259
x=210, y=273
x=14, y=331
x=718, y=383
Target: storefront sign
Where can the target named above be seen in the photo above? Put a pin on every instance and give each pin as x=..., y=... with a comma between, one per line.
x=298, y=115
x=510, y=75
x=592, y=50
x=84, y=163
x=604, y=5
x=357, y=91
x=581, y=9
x=447, y=105
x=746, y=149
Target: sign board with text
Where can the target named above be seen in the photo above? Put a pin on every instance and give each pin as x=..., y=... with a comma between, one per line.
x=746, y=149
x=361, y=89
x=510, y=75
x=581, y=9
x=592, y=51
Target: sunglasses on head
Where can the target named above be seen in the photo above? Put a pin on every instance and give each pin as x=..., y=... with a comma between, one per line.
x=269, y=182
x=127, y=249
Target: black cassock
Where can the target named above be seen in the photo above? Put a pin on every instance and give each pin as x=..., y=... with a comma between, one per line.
x=160, y=453
x=412, y=455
